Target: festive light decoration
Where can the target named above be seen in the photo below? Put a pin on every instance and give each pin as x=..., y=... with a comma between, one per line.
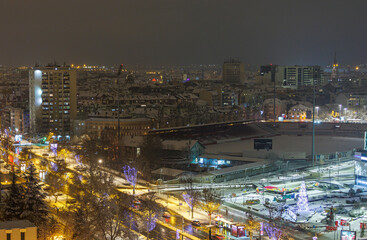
x=177, y=234
x=151, y=221
x=302, y=202
x=261, y=228
x=131, y=174
x=54, y=167
x=188, y=199
x=273, y=232
x=54, y=148
x=77, y=159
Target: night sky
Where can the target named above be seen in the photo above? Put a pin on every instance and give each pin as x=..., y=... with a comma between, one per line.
x=110, y=32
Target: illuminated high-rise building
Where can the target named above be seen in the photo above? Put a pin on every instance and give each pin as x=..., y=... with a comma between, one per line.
x=334, y=71
x=299, y=76
x=233, y=72
x=52, y=100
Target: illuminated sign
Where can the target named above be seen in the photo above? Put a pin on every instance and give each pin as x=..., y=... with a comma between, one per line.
x=18, y=138
x=365, y=141
x=348, y=235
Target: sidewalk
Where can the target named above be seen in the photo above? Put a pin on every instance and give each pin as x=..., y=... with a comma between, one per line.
x=184, y=210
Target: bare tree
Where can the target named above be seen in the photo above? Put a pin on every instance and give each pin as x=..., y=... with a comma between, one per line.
x=210, y=202
x=191, y=195
x=252, y=225
x=150, y=212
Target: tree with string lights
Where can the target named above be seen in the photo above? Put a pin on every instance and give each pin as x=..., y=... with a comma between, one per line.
x=302, y=202
x=131, y=175
x=191, y=195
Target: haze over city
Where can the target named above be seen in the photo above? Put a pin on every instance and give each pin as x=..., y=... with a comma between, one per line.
x=165, y=32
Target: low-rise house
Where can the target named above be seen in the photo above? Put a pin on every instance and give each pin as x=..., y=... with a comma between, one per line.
x=18, y=230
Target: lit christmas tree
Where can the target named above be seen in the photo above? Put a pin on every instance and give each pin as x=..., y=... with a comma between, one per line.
x=302, y=202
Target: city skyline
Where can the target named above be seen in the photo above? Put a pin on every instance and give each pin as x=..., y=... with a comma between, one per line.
x=182, y=32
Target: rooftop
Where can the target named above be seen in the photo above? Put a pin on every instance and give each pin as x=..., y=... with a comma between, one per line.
x=16, y=224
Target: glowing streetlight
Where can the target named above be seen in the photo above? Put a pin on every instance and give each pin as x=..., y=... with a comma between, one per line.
x=340, y=111
x=100, y=161
x=317, y=113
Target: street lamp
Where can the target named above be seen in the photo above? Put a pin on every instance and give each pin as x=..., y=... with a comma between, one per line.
x=183, y=224
x=340, y=111
x=317, y=114
x=100, y=161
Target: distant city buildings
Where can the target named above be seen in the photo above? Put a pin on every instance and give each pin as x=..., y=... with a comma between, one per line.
x=60, y=99
x=233, y=72
x=52, y=100
x=15, y=119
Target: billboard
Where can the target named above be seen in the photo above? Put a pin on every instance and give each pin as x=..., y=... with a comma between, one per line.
x=263, y=143
x=361, y=168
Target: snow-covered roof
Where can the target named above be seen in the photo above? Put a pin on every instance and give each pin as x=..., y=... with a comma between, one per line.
x=16, y=224
x=168, y=172
x=178, y=145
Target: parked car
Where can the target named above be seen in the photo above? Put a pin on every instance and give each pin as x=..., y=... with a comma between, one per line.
x=136, y=204
x=166, y=215
x=71, y=201
x=196, y=223
x=218, y=237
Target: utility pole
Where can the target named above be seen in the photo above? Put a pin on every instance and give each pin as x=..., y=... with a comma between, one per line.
x=118, y=110
x=313, y=124
x=1, y=186
x=274, y=96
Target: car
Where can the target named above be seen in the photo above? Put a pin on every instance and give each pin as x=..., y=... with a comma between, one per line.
x=58, y=194
x=136, y=204
x=47, y=188
x=79, y=168
x=196, y=223
x=45, y=155
x=218, y=236
x=166, y=215
x=71, y=201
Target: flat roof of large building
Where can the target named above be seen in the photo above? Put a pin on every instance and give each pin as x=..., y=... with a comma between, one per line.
x=291, y=143
x=239, y=168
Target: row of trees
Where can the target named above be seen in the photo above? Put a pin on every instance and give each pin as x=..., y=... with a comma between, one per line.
x=102, y=212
